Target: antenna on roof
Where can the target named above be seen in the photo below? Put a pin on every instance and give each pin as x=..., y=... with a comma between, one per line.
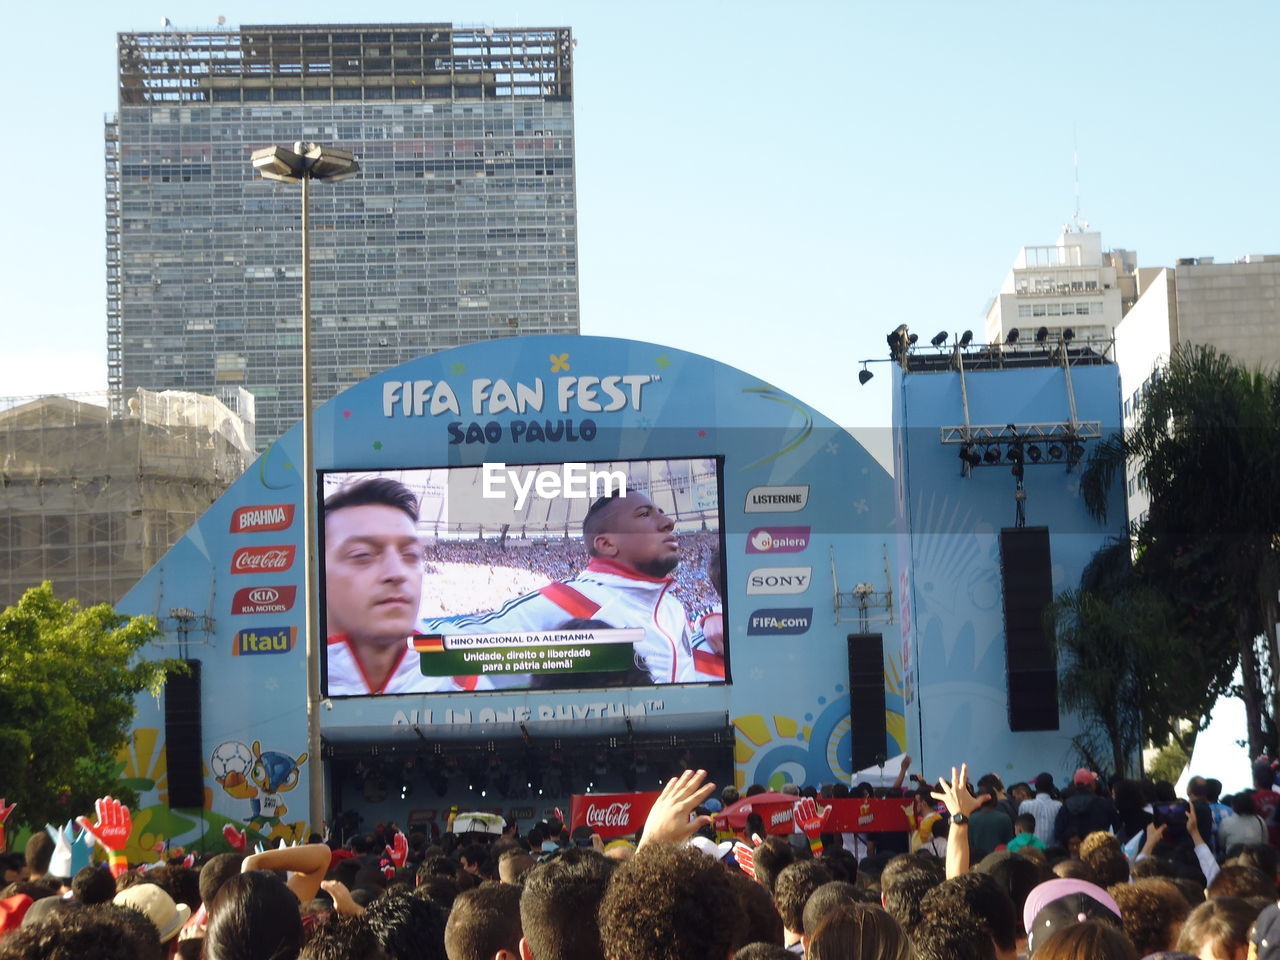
x=1080, y=225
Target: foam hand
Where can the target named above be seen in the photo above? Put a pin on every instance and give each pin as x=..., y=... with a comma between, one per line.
x=398, y=850
x=811, y=822
x=60, y=862
x=236, y=838
x=5, y=810
x=746, y=856
x=112, y=830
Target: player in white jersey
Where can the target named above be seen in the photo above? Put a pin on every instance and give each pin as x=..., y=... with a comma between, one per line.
x=373, y=589
x=627, y=583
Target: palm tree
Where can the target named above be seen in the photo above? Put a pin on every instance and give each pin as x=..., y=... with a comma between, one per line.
x=1208, y=442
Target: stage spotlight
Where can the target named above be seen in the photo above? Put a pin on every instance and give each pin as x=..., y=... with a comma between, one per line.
x=939, y=338
x=1068, y=335
x=898, y=341
x=1042, y=335
x=1012, y=336
x=966, y=338
x=864, y=375
x=1075, y=453
x=1055, y=452
x=970, y=456
x=912, y=338
x=1034, y=454
x=992, y=455
x=1015, y=454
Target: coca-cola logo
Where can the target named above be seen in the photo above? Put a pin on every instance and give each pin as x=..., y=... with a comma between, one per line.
x=614, y=815
x=263, y=559
x=255, y=600
x=780, y=816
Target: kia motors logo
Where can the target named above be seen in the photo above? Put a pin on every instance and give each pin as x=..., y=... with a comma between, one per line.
x=264, y=640
x=777, y=499
x=263, y=559
x=778, y=540
x=779, y=622
x=261, y=519
x=251, y=600
x=614, y=815
x=779, y=580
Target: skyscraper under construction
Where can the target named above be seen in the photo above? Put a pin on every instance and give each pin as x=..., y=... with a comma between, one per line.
x=461, y=225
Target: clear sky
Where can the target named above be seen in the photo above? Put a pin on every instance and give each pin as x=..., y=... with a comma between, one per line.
x=775, y=185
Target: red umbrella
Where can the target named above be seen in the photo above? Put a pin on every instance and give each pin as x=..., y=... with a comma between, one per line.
x=735, y=815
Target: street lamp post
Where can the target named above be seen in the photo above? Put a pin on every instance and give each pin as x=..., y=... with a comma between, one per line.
x=304, y=163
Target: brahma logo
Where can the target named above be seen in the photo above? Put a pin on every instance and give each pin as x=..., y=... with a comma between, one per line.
x=779, y=580
x=780, y=817
x=778, y=540
x=261, y=600
x=779, y=499
x=780, y=622
x=265, y=640
x=614, y=815
x=275, y=559
x=262, y=519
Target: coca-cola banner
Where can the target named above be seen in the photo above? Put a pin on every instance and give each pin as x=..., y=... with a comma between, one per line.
x=611, y=814
x=847, y=816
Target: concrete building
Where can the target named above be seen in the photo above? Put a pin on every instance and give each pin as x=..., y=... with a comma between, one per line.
x=1234, y=307
x=461, y=226
x=92, y=501
x=1072, y=284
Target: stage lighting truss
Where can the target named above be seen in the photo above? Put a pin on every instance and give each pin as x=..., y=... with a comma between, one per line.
x=1021, y=445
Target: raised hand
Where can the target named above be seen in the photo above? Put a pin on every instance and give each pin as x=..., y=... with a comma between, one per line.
x=112, y=830
x=236, y=838
x=398, y=850
x=668, y=820
x=955, y=795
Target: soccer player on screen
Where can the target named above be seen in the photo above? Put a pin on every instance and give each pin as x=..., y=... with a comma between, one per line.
x=373, y=589
x=627, y=583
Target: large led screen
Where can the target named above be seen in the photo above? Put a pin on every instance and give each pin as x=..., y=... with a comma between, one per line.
x=523, y=577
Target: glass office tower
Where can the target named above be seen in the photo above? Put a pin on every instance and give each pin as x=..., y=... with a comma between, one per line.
x=461, y=225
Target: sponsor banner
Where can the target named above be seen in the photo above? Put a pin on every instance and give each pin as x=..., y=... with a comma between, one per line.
x=847, y=816
x=272, y=559
x=611, y=814
x=262, y=519
x=778, y=540
x=777, y=499
x=260, y=600
x=779, y=580
x=264, y=640
x=780, y=621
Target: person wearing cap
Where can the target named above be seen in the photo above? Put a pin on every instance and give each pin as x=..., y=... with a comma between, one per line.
x=1057, y=904
x=158, y=907
x=1083, y=811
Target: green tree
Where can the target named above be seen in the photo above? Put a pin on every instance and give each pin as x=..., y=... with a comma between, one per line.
x=1208, y=444
x=68, y=679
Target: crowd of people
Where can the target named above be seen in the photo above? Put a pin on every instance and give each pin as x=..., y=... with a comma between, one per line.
x=1091, y=871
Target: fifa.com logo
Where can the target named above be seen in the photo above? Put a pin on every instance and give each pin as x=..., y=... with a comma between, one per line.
x=573, y=481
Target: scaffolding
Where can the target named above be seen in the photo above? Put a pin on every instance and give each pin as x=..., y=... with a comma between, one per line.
x=91, y=501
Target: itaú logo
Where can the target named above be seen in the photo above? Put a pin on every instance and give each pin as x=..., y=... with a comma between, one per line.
x=264, y=640
x=263, y=559
x=614, y=815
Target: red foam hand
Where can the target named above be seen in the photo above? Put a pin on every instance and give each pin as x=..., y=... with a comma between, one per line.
x=236, y=838
x=398, y=850
x=745, y=855
x=809, y=818
x=388, y=870
x=5, y=810
x=113, y=826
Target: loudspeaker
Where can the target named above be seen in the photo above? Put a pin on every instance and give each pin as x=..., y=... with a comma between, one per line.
x=866, y=699
x=184, y=744
x=1031, y=662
